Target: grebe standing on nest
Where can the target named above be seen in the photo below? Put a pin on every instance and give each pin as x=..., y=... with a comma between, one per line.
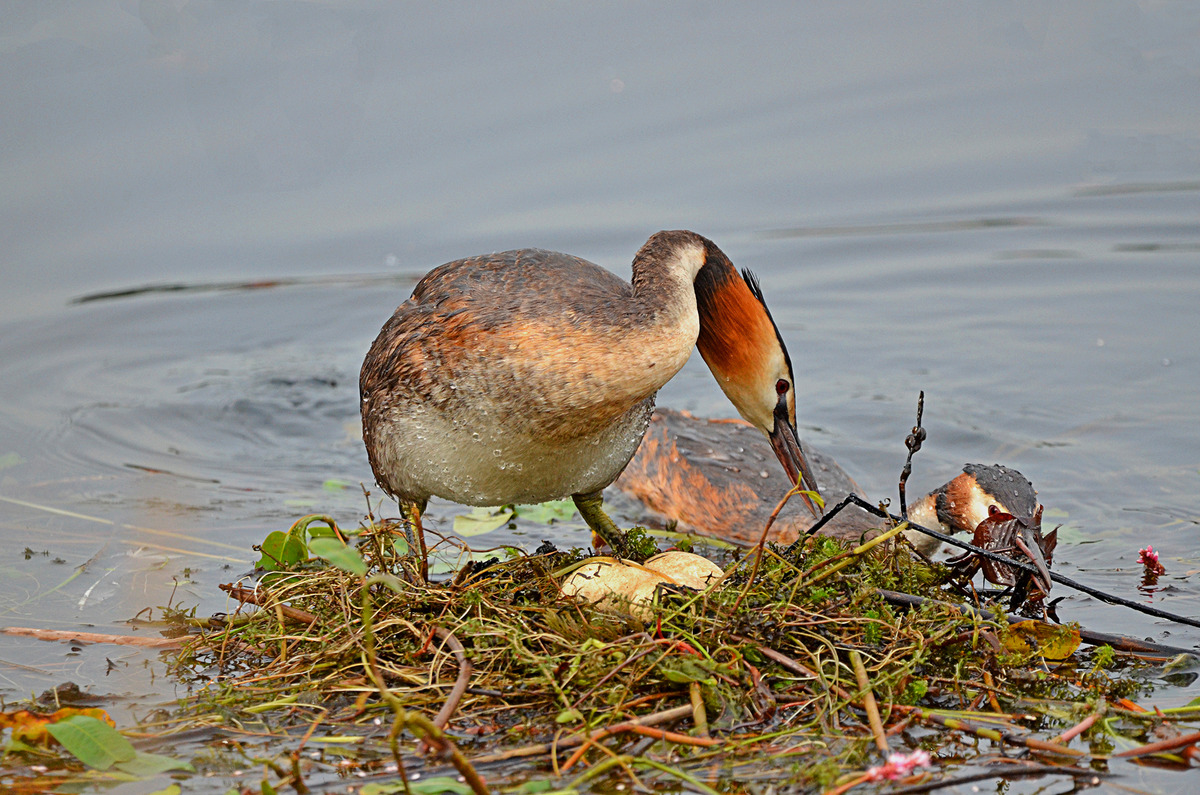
x=529, y=375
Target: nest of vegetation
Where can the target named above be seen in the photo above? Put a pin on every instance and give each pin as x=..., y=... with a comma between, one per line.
x=795, y=669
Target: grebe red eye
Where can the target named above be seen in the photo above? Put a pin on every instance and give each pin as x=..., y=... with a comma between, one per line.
x=781, y=386
x=993, y=510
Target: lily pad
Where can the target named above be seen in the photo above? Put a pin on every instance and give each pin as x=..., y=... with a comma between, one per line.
x=482, y=520
x=547, y=512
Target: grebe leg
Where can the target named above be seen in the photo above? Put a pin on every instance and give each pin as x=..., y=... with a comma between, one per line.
x=589, y=506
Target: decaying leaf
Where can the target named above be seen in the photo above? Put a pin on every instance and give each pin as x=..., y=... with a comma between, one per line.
x=30, y=727
x=1046, y=640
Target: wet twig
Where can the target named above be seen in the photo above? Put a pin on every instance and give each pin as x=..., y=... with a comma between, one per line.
x=869, y=704
x=653, y=719
x=250, y=597
x=913, y=443
x=460, y=684
x=874, y=510
x=646, y=731
x=1010, y=770
x=1162, y=746
x=1083, y=725
x=1118, y=642
x=95, y=637
x=996, y=735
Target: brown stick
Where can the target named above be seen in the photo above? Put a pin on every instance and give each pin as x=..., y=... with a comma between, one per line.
x=248, y=596
x=442, y=744
x=793, y=666
x=989, y=733
x=646, y=731
x=675, y=737
x=699, y=714
x=653, y=719
x=95, y=637
x=1009, y=771
x=1119, y=642
x=1162, y=746
x=1078, y=729
x=864, y=684
x=460, y=684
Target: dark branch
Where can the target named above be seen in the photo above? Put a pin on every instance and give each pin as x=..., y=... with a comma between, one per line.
x=913, y=443
x=875, y=510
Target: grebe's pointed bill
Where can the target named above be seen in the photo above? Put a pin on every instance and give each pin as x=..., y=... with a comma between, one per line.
x=786, y=444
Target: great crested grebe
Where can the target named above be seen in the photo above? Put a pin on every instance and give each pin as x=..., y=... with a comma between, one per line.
x=529, y=375
x=711, y=477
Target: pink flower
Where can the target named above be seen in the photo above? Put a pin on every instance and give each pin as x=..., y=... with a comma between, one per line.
x=898, y=765
x=1149, y=558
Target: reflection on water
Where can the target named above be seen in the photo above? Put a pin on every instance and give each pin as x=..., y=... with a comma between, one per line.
x=997, y=206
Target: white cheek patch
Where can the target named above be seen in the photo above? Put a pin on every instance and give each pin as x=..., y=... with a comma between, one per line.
x=978, y=503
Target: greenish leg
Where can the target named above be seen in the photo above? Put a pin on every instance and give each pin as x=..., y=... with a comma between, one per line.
x=590, y=507
x=414, y=534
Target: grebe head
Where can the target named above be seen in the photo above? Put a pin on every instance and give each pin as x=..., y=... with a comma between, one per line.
x=742, y=346
x=1000, y=506
x=982, y=490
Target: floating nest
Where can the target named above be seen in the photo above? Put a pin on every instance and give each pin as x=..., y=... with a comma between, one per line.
x=799, y=666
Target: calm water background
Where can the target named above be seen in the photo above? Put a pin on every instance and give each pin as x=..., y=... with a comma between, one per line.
x=998, y=203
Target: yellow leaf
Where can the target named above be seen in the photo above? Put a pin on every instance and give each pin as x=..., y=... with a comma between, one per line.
x=30, y=727
x=1046, y=640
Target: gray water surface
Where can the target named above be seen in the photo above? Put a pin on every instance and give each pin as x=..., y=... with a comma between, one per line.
x=996, y=203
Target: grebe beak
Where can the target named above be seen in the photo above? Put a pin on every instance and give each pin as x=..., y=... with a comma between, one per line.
x=786, y=444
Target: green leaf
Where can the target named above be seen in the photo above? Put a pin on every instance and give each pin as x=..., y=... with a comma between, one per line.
x=555, y=510
x=173, y=789
x=305, y=525
x=482, y=520
x=425, y=786
x=688, y=669
x=92, y=741
x=382, y=788
x=538, y=786
x=272, y=549
x=569, y=716
x=144, y=765
x=389, y=581
x=443, y=566
x=344, y=557
x=439, y=784
x=333, y=484
x=281, y=550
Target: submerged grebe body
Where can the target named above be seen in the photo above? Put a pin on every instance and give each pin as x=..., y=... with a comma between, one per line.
x=530, y=375
x=709, y=477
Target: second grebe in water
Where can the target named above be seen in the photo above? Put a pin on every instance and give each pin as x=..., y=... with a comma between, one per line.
x=708, y=476
x=529, y=375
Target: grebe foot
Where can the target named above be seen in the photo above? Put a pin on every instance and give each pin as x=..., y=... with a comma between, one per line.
x=414, y=534
x=604, y=528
